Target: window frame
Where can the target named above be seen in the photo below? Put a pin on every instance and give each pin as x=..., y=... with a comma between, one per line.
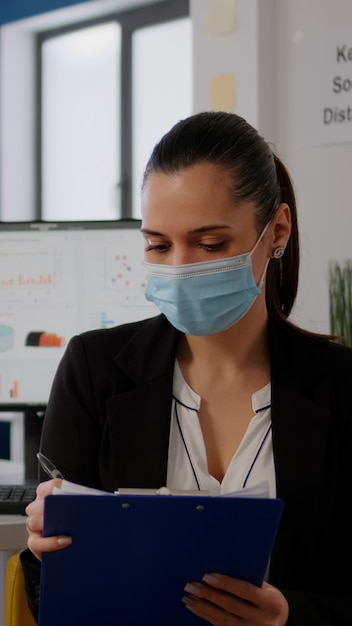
x=129, y=20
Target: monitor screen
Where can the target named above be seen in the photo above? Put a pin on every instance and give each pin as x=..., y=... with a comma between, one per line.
x=57, y=280
x=13, y=447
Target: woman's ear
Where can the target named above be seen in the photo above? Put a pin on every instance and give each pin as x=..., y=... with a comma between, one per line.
x=281, y=224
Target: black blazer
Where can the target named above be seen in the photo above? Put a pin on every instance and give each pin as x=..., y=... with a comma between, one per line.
x=107, y=426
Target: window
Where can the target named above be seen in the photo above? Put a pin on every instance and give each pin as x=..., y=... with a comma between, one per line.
x=79, y=129
x=161, y=87
x=107, y=90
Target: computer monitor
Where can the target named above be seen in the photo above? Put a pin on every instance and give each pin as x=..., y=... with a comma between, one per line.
x=58, y=279
x=12, y=449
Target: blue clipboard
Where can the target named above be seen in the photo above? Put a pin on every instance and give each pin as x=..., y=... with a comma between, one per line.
x=131, y=555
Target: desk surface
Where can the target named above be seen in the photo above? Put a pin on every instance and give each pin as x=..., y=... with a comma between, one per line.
x=13, y=533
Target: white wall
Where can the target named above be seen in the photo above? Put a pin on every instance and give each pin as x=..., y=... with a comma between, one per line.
x=274, y=88
x=322, y=172
x=17, y=138
x=248, y=51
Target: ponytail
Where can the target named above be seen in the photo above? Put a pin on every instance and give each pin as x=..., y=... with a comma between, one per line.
x=282, y=275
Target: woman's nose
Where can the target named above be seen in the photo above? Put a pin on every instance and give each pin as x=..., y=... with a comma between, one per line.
x=180, y=256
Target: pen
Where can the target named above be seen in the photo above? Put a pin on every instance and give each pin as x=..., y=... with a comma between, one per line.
x=48, y=466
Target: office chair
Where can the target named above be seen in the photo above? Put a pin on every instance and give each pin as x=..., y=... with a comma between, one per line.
x=16, y=611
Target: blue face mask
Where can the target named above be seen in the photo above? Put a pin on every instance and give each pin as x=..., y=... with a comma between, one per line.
x=204, y=298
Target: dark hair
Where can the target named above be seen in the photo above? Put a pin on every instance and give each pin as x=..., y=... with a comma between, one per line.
x=227, y=140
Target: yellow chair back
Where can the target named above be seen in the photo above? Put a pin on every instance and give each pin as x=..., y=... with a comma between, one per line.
x=16, y=610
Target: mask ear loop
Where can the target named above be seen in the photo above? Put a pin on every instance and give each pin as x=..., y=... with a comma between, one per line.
x=262, y=278
x=260, y=238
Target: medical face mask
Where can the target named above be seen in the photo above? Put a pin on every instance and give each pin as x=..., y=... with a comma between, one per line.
x=204, y=298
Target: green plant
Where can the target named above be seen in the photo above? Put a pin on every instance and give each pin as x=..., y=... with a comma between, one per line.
x=340, y=297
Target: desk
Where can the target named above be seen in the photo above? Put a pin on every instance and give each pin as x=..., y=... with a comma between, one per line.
x=13, y=538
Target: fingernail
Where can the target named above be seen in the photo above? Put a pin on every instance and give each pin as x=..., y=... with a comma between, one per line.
x=64, y=541
x=210, y=578
x=189, y=602
x=194, y=588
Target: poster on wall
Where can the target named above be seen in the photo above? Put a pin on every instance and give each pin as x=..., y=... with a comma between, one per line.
x=323, y=88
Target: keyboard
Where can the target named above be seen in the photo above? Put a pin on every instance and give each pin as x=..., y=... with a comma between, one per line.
x=14, y=498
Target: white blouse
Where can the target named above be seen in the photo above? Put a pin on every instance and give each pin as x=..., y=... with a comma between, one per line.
x=252, y=463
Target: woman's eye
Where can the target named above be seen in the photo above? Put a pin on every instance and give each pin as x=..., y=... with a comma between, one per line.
x=157, y=247
x=212, y=247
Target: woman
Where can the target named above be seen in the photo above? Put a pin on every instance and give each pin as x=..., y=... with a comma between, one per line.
x=220, y=391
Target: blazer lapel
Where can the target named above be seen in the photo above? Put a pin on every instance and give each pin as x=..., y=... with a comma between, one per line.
x=139, y=416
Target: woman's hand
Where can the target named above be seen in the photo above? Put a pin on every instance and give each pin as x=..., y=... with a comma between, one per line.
x=225, y=601
x=35, y=512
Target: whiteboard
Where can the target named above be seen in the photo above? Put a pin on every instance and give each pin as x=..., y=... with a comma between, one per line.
x=57, y=280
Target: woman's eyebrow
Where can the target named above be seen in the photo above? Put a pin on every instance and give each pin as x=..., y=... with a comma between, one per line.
x=201, y=229
x=205, y=229
x=146, y=231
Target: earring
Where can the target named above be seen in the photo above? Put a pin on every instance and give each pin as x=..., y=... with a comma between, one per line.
x=278, y=252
